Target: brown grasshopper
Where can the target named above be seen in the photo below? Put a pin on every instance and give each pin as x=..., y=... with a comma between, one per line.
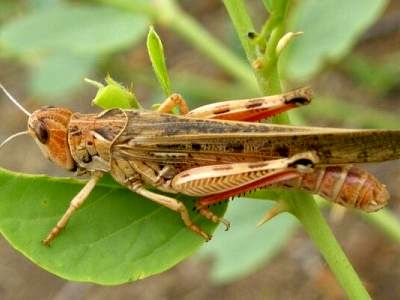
x=213, y=152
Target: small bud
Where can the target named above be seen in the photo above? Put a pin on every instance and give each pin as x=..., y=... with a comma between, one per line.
x=284, y=41
x=113, y=95
x=258, y=64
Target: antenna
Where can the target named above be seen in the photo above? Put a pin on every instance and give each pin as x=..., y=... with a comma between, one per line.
x=12, y=137
x=15, y=102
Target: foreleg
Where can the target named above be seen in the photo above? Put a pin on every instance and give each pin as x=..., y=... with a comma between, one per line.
x=75, y=203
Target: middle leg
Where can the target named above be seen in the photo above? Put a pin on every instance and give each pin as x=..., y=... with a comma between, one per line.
x=172, y=204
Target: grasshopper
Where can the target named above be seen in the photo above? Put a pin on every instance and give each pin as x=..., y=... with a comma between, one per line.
x=214, y=152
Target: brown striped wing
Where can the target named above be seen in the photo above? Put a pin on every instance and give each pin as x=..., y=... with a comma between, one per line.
x=169, y=139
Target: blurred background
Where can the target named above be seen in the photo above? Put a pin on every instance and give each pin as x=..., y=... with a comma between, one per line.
x=349, y=54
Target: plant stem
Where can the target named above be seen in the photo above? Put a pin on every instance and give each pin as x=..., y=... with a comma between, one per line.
x=386, y=221
x=267, y=73
x=307, y=212
x=301, y=204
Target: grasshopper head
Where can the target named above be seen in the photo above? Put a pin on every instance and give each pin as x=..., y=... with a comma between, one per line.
x=49, y=128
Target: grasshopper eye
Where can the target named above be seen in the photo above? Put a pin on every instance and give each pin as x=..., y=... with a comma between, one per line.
x=41, y=133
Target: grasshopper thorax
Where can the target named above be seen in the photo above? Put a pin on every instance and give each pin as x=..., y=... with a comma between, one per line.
x=49, y=128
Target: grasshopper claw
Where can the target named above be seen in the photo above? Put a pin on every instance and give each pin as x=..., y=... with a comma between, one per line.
x=226, y=223
x=208, y=237
x=46, y=242
x=209, y=215
x=204, y=235
x=196, y=229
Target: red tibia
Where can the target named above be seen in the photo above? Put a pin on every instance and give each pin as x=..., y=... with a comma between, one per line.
x=253, y=115
x=270, y=180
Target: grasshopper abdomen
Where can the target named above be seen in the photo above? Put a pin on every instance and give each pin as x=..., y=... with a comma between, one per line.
x=346, y=185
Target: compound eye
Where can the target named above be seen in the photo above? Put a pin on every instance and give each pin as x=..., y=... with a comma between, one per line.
x=41, y=132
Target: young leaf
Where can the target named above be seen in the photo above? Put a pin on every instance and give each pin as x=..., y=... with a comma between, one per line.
x=156, y=53
x=115, y=237
x=113, y=95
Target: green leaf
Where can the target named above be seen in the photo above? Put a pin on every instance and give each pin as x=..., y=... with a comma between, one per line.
x=156, y=53
x=8, y=9
x=331, y=28
x=81, y=29
x=115, y=237
x=378, y=77
x=40, y=4
x=114, y=95
x=59, y=74
x=243, y=249
x=137, y=6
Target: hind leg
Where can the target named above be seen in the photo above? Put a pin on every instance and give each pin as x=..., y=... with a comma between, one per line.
x=220, y=182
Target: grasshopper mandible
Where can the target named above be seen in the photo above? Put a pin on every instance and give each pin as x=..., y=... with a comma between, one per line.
x=213, y=152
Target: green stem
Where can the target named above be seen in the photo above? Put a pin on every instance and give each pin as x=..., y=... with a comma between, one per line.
x=270, y=56
x=301, y=204
x=307, y=212
x=267, y=74
x=386, y=222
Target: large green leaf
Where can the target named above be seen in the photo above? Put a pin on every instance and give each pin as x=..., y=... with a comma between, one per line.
x=115, y=237
x=331, y=28
x=80, y=29
x=7, y=8
x=39, y=4
x=59, y=74
x=245, y=248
